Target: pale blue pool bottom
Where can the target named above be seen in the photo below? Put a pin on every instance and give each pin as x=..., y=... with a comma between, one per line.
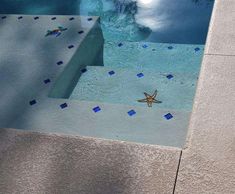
x=132, y=68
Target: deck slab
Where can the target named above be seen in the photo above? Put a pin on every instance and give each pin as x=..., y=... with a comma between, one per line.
x=32, y=162
x=208, y=161
x=221, y=36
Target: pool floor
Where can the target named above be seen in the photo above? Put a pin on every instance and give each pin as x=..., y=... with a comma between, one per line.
x=132, y=68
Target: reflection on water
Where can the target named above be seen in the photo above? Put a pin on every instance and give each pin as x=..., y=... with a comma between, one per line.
x=175, y=21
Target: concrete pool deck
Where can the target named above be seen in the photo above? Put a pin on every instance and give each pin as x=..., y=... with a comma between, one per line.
x=43, y=163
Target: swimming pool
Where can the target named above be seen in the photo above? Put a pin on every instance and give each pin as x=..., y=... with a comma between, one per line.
x=165, y=21
x=148, y=46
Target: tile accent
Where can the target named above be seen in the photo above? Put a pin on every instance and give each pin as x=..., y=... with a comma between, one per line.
x=60, y=62
x=120, y=44
x=46, y=81
x=96, y=109
x=70, y=46
x=64, y=105
x=111, y=73
x=131, y=113
x=140, y=75
x=32, y=102
x=169, y=76
x=168, y=116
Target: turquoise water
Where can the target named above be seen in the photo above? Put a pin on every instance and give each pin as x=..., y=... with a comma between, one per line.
x=149, y=45
x=153, y=37
x=168, y=21
x=156, y=62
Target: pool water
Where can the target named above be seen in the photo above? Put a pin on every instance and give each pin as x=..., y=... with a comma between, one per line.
x=168, y=21
x=134, y=68
x=149, y=45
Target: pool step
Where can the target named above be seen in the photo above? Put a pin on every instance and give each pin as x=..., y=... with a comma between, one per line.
x=158, y=56
x=109, y=121
x=125, y=86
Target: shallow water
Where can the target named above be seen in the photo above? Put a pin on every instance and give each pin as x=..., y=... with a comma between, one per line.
x=149, y=45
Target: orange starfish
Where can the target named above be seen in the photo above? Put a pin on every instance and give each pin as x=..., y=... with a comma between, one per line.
x=150, y=99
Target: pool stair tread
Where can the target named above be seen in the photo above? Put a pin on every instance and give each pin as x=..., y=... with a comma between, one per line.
x=126, y=86
x=158, y=56
x=148, y=125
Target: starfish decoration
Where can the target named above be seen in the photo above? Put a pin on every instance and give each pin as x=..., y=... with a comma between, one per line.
x=150, y=99
x=57, y=32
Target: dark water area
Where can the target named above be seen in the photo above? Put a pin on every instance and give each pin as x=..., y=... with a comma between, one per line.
x=165, y=21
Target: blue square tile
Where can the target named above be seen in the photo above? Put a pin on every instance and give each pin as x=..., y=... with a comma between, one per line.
x=32, y=102
x=197, y=49
x=36, y=18
x=89, y=19
x=54, y=18
x=96, y=109
x=70, y=46
x=131, y=112
x=111, y=73
x=46, y=81
x=168, y=116
x=140, y=75
x=84, y=70
x=60, y=62
x=81, y=32
x=169, y=76
x=120, y=44
x=4, y=17
x=145, y=46
x=72, y=18
x=64, y=105
x=20, y=17
x=170, y=47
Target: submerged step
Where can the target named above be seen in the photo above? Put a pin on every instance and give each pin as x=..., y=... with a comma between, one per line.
x=106, y=120
x=36, y=51
x=163, y=57
x=125, y=86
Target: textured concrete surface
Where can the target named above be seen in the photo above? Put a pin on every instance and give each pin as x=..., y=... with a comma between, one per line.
x=221, y=37
x=37, y=163
x=208, y=162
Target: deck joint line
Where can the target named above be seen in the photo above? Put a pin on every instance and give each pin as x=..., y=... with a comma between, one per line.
x=177, y=171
